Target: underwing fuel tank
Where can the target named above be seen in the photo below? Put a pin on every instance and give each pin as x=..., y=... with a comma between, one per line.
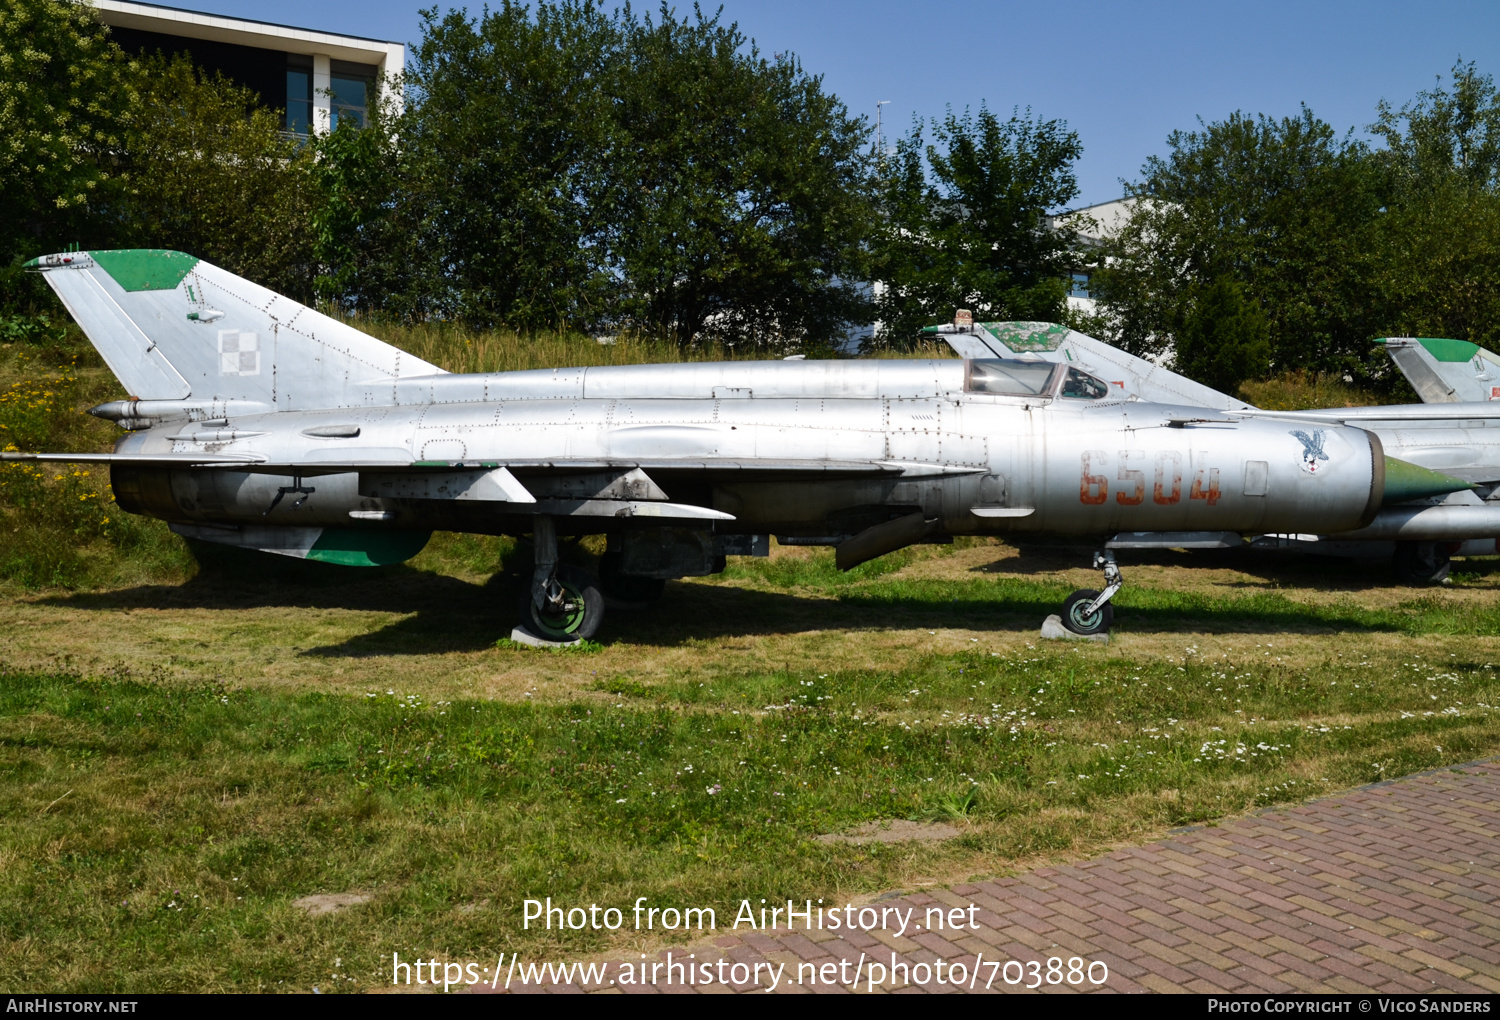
x=1153, y=468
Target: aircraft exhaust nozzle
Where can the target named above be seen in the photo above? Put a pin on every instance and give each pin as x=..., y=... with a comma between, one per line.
x=1405, y=481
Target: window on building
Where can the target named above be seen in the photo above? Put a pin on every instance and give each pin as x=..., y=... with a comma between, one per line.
x=299, y=106
x=351, y=86
x=1079, y=286
x=348, y=101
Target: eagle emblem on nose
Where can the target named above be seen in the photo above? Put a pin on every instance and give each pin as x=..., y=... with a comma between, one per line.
x=1312, y=449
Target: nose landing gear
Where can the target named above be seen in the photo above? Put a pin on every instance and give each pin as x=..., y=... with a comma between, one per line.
x=1087, y=611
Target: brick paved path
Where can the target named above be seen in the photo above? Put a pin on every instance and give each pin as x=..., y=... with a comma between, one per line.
x=1392, y=888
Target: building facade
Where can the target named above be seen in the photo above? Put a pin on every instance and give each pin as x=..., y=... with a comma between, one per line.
x=315, y=78
x=1093, y=224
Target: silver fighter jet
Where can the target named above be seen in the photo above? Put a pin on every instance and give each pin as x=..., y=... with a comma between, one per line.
x=257, y=422
x=1459, y=437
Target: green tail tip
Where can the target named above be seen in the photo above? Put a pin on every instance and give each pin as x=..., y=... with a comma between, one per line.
x=1405, y=481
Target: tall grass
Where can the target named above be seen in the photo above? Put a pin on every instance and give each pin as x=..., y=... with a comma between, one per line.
x=1303, y=391
x=457, y=347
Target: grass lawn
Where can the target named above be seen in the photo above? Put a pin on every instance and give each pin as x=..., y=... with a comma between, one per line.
x=180, y=762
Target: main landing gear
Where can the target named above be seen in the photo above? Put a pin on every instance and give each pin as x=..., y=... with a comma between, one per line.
x=1419, y=563
x=562, y=604
x=1087, y=611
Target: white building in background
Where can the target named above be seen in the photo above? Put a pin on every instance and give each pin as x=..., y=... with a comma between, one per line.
x=315, y=78
x=1094, y=224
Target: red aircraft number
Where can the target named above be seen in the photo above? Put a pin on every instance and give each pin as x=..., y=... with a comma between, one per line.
x=1093, y=485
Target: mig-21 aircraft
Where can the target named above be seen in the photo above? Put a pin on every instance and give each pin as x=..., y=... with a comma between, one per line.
x=1460, y=438
x=257, y=422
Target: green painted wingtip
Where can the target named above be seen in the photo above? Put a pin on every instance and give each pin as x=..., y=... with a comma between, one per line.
x=1444, y=349
x=1441, y=348
x=1405, y=481
x=136, y=269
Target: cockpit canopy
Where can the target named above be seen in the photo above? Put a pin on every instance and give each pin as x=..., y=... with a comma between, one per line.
x=1032, y=379
x=1081, y=386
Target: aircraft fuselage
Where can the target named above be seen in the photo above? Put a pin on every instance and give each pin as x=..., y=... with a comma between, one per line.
x=730, y=438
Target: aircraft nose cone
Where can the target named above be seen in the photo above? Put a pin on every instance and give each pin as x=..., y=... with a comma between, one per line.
x=1405, y=481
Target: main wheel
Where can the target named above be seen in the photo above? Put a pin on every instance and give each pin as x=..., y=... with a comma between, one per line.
x=627, y=587
x=1419, y=563
x=1076, y=618
x=579, y=616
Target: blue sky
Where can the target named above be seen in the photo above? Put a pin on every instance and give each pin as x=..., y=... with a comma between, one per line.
x=1122, y=75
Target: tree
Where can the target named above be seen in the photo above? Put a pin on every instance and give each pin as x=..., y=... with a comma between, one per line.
x=654, y=174
x=1434, y=266
x=1282, y=207
x=1223, y=341
x=964, y=222
x=1449, y=137
x=209, y=172
x=508, y=139
x=373, y=224
x=64, y=97
x=739, y=199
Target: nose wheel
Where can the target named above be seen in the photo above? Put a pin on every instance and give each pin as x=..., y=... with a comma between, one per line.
x=1088, y=611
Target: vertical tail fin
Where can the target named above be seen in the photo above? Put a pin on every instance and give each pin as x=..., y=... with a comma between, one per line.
x=1446, y=371
x=172, y=326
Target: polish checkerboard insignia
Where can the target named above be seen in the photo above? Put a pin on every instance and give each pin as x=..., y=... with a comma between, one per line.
x=239, y=352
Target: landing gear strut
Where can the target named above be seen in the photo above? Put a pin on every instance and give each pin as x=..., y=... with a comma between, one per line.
x=1419, y=563
x=562, y=604
x=1087, y=611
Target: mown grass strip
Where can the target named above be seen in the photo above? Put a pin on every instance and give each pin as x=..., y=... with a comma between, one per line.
x=199, y=813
